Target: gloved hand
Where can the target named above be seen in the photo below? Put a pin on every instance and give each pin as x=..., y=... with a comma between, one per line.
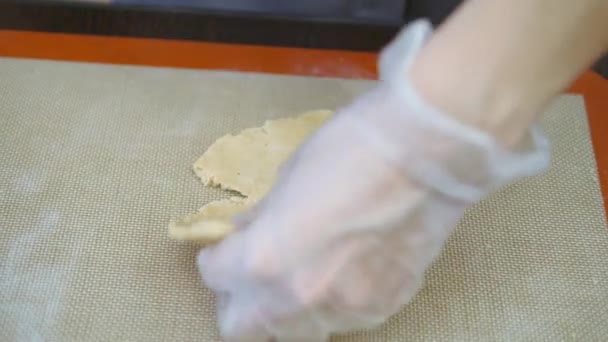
x=358, y=213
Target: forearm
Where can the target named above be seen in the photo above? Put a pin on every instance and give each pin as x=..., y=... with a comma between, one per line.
x=496, y=64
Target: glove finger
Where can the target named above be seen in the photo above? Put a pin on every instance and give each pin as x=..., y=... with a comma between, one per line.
x=262, y=321
x=243, y=317
x=258, y=313
x=221, y=266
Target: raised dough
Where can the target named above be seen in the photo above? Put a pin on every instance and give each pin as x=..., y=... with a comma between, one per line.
x=246, y=163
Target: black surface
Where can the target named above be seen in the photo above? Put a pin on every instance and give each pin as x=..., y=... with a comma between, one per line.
x=601, y=66
x=435, y=10
x=192, y=24
x=384, y=11
x=187, y=23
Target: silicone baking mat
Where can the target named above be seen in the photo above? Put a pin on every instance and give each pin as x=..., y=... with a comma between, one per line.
x=95, y=160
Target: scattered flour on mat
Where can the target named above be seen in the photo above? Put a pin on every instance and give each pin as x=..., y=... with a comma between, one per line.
x=29, y=182
x=31, y=292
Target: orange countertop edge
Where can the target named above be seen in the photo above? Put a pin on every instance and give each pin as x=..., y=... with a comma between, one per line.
x=266, y=59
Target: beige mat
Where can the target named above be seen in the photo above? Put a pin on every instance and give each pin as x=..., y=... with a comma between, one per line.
x=96, y=160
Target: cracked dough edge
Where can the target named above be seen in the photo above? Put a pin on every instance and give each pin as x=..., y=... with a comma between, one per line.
x=213, y=222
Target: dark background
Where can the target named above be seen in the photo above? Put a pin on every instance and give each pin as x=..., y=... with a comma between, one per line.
x=361, y=25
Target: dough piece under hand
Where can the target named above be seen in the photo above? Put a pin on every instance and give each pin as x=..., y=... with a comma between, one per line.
x=211, y=224
x=246, y=163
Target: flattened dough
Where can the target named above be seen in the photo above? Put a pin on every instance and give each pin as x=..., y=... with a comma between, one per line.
x=246, y=163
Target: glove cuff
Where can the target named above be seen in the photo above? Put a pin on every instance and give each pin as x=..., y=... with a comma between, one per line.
x=455, y=159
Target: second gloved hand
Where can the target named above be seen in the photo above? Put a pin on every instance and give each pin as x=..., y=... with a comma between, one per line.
x=358, y=213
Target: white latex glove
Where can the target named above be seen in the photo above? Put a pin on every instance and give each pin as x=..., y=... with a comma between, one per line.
x=358, y=214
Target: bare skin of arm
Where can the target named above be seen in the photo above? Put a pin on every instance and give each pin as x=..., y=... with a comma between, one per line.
x=496, y=64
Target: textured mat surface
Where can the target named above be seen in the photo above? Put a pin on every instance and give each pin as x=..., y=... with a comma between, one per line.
x=96, y=160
